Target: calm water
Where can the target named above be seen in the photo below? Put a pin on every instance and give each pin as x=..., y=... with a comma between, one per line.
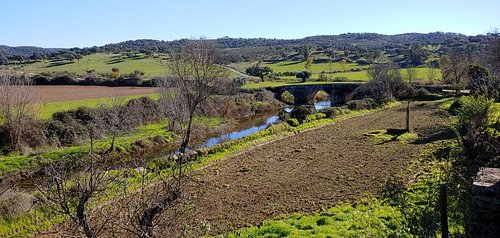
x=255, y=126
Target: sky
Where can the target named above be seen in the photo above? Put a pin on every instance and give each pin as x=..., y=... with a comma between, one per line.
x=85, y=23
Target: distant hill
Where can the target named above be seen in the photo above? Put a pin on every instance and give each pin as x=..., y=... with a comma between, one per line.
x=26, y=51
x=248, y=49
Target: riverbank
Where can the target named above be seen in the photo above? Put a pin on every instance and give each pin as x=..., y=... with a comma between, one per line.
x=232, y=189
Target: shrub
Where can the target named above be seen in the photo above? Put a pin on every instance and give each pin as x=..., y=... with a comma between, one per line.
x=314, y=117
x=41, y=80
x=322, y=77
x=362, y=61
x=304, y=75
x=332, y=112
x=63, y=80
x=366, y=103
x=293, y=122
x=13, y=203
x=301, y=112
x=473, y=115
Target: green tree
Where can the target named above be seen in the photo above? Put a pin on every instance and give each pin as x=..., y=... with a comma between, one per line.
x=415, y=56
x=304, y=75
x=306, y=52
x=115, y=72
x=258, y=71
x=308, y=64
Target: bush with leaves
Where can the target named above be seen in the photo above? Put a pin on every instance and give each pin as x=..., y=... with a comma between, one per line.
x=301, y=112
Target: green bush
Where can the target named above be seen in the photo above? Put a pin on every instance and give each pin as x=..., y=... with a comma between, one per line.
x=301, y=112
x=332, y=112
x=293, y=122
x=314, y=117
x=474, y=114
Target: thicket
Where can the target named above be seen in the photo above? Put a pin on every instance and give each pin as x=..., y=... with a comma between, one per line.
x=453, y=164
x=74, y=127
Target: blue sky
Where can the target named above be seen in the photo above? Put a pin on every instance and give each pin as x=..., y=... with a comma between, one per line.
x=68, y=23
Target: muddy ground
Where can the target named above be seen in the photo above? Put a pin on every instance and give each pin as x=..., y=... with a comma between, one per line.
x=301, y=173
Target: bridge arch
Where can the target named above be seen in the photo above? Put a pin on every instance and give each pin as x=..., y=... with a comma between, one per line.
x=305, y=94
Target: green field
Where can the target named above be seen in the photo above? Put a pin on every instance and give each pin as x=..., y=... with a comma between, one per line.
x=284, y=82
x=368, y=219
x=102, y=63
x=296, y=66
x=47, y=109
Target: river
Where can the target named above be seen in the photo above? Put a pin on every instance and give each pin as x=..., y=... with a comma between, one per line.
x=256, y=125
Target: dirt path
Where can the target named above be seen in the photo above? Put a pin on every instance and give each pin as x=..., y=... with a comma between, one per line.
x=302, y=173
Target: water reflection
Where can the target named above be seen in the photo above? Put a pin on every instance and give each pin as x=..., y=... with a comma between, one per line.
x=239, y=134
x=255, y=127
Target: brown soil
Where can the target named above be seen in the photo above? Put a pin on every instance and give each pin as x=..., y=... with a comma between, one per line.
x=64, y=93
x=301, y=173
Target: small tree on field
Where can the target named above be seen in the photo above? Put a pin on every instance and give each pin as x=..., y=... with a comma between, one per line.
x=306, y=52
x=196, y=67
x=454, y=67
x=304, y=75
x=258, y=71
x=115, y=73
x=308, y=64
x=343, y=65
x=431, y=72
x=386, y=83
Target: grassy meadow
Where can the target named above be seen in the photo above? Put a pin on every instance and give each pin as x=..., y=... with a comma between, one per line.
x=295, y=66
x=102, y=63
x=45, y=110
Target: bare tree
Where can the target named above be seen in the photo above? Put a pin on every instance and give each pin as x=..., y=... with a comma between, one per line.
x=16, y=106
x=117, y=119
x=492, y=54
x=195, y=65
x=386, y=83
x=171, y=105
x=71, y=193
x=431, y=73
x=454, y=67
x=159, y=191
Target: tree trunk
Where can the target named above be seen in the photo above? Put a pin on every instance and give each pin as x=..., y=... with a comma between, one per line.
x=147, y=219
x=185, y=142
x=408, y=116
x=82, y=218
x=112, y=147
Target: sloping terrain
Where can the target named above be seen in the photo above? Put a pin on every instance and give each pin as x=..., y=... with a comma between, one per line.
x=302, y=173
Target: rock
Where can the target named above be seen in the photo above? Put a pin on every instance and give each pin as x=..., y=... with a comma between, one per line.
x=140, y=170
x=244, y=169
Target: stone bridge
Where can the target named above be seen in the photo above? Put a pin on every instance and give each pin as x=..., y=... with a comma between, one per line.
x=304, y=94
